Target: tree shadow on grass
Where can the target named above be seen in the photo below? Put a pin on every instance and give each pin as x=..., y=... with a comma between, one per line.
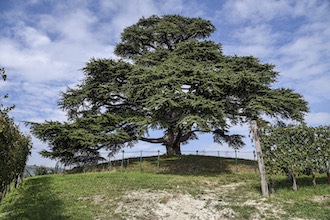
x=302, y=181
x=282, y=182
x=183, y=165
x=34, y=199
x=194, y=165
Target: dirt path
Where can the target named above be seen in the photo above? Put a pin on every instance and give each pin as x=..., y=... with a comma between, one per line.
x=211, y=204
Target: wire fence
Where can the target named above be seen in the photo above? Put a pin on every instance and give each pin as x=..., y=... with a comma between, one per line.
x=187, y=162
x=249, y=155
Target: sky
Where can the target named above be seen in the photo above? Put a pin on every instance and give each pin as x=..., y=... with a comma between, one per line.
x=44, y=44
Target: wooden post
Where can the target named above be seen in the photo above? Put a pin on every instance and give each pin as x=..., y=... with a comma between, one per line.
x=109, y=167
x=254, y=161
x=141, y=161
x=122, y=160
x=158, y=161
x=236, y=161
x=219, y=161
x=261, y=164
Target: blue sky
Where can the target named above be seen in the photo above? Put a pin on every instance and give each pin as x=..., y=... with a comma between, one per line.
x=44, y=44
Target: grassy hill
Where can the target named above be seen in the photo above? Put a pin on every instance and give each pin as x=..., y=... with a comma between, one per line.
x=190, y=187
x=183, y=164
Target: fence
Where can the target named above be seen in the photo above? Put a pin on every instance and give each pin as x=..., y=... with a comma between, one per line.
x=187, y=162
x=214, y=161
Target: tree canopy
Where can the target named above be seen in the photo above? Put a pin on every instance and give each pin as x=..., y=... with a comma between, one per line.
x=170, y=78
x=15, y=147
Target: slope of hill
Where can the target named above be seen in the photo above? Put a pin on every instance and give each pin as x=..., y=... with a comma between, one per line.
x=129, y=193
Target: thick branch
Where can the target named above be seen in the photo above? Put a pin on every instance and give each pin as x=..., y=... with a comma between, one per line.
x=186, y=136
x=153, y=140
x=160, y=140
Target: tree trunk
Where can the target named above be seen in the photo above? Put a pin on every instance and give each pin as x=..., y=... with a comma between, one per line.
x=328, y=174
x=18, y=180
x=271, y=183
x=173, y=150
x=261, y=164
x=294, y=182
x=314, y=179
x=172, y=142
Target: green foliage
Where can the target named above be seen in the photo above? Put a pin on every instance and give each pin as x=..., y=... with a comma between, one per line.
x=176, y=81
x=165, y=32
x=296, y=148
x=15, y=148
x=42, y=170
x=3, y=109
x=3, y=73
x=78, y=143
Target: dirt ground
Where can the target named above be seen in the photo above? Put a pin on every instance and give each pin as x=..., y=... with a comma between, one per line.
x=209, y=205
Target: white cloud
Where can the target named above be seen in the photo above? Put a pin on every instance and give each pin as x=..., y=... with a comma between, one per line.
x=56, y=46
x=255, y=35
x=32, y=65
x=32, y=37
x=318, y=118
x=174, y=6
x=317, y=90
x=257, y=41
x=35, y=101
x=302, y=55
x=259, y=11
x=255, y=11
x=315, y=10
x=76, y=27
x=124, y=13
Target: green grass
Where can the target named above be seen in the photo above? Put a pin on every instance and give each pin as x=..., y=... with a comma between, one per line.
x=310, y=202
x=104, y=195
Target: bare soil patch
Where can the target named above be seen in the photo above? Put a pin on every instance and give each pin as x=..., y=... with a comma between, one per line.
x=211, y=204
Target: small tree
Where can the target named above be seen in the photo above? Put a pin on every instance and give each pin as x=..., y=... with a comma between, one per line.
x=296, y=150
x=15, y=148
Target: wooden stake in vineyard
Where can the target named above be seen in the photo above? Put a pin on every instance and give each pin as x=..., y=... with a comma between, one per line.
x=261, y=164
